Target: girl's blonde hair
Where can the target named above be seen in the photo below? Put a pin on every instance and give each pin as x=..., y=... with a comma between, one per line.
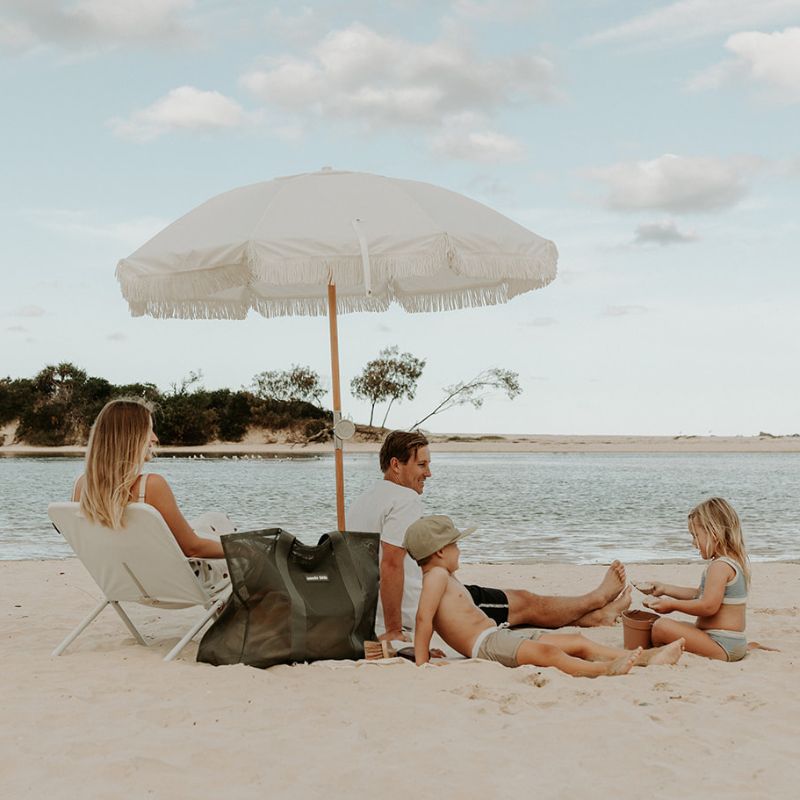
x=118, y=447
x=720, y=522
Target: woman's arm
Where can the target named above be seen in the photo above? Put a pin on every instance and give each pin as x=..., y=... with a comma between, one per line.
x=717, y=576
x=160, y=496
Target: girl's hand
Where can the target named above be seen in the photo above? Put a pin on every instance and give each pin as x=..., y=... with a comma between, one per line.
x=659, y=606
x=650, y=587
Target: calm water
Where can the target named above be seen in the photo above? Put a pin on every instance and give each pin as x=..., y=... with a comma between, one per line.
x=571, y=507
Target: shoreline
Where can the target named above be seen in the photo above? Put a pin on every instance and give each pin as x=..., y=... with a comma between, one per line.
x=468, y=443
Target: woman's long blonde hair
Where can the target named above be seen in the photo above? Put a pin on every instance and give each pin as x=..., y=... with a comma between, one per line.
x=720, y=522
x=118, y=446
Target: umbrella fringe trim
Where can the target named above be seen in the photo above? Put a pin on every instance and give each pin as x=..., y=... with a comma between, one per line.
x=318, y=306
x=191, y=286
x=188, y=285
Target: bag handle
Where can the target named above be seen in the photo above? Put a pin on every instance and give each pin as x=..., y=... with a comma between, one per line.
x=352, y=583
x=298, y=624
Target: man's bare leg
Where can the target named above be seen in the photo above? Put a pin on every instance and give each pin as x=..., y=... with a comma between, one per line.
x=545, y=611
x=609, y=613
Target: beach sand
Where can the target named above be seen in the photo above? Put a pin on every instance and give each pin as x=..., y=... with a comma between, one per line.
x=109, y=719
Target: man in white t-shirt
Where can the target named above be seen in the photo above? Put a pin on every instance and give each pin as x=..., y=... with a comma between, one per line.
x=394, y=503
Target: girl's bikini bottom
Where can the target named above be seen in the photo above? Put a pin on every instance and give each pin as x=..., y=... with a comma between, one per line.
x=734, y=643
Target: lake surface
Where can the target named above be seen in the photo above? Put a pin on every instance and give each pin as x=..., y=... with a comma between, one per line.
x=565, y=507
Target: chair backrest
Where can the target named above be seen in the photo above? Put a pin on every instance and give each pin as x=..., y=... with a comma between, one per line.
x=140, y=563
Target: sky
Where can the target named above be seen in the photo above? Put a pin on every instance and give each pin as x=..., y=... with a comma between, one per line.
x=656, y=143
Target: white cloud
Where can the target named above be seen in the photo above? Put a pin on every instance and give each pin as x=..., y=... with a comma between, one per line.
x=486, y=146
x=184, y=108
x=130, y=18
x=692, y=19
x=674, y=183
x=296, y=27
x=16, y=35
x=27, y=311
x=93, y=22
x=541, y=322
x=771, y=59
x=85, y=226
x=17, y=329
x=359, y=73
x=623, y=311
x=662, y=233
x=116, y=337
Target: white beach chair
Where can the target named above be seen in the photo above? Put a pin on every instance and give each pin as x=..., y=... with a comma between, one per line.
x=141, y=563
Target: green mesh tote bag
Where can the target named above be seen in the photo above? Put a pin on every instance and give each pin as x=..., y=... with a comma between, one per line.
x=292, y=602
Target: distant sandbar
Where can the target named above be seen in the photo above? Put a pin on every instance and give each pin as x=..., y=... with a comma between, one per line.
x=256, y=444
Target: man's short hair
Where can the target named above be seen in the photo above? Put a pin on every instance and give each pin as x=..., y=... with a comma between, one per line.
x=401, y=445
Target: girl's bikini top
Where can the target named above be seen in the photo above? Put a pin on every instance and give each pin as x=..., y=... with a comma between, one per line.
x=735, y=588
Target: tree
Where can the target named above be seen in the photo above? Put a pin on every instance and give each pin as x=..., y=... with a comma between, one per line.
x=64, y=403
x=185, y=417
x=391, y=376
x=297, y=383
x=474, y=392
x=16, y=395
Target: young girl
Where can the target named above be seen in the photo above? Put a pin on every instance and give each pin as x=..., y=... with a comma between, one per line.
x=720, y=600
x=120, y=442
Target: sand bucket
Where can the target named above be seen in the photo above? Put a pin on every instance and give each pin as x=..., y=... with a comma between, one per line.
x=636, y=628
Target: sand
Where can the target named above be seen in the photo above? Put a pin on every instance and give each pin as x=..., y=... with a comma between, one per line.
x=109, y=719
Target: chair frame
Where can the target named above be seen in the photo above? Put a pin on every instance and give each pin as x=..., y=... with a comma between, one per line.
x=211, y=604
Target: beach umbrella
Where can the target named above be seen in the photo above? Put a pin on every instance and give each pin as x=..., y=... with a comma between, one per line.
x=328, y=242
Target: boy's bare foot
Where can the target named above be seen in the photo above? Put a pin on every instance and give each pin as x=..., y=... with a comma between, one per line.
x=668, y=654
x=609, y=613
x=623, y=664
x=612, y=584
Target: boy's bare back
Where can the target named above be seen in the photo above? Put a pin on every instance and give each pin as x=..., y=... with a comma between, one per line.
x=457, y=619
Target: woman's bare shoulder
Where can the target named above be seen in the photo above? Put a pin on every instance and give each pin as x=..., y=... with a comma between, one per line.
x=77, y=488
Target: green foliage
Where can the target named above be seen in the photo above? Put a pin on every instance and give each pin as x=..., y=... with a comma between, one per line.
x=233, y=413
x=62, y=406
x=16, y=395
x=297, y=383
x=391, y=376
x=59, y=404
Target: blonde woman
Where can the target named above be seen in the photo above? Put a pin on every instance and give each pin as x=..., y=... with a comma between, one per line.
x=120, y=443
x=721, y=599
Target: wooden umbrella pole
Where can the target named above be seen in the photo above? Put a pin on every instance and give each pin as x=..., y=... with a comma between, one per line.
x=337, y=406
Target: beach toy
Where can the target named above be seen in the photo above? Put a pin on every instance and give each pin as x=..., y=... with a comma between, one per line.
x=636, y=628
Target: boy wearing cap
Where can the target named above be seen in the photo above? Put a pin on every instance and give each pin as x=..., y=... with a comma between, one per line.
x=447, y=607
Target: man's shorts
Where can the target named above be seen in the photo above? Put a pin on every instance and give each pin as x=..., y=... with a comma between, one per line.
x=493, y=602
x=502, y=644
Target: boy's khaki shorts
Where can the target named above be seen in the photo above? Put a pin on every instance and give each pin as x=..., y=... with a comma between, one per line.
x=502, y=645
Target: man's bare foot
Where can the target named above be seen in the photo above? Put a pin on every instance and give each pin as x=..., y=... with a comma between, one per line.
x=623, y=664
x=668, y=654
x=609, y=613
x=612, y=584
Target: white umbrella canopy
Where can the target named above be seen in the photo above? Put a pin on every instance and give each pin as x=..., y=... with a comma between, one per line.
x=333, y=241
